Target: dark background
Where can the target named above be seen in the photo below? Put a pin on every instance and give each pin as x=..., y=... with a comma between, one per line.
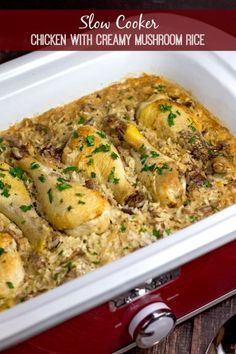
x=117, y=4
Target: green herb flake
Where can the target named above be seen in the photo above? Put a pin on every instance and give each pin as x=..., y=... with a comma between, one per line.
x=114, y=156
x=69, y=208
x=10, y=285
x=147, y=168
x=170, y=119
x=34, y=165
x=154, y=154
x=62, y=185
x=168, y=231
x=193, y=218
x=26, y=208
x=42, y=178
x=122, y=228
x=2, y=251
x=90, y=162
x=69, y=265
x=160, y=170
x=5, y=189
x=50, y=196
x=178, y=112
x=81, y=202
x=89, y=140
x=81, y=120
x=93, y=175
x=143, y=158
x=156, y=233
x=111, y=177
x=70, y=169
x=159, y=88
x=17, y=172
x=191, y=126
x=55, y=276
x=165, y=108
x=102, y=148
x=102, y=135
x=79, y=194
x=192, y=140
x=130, y=97
x=206, y=184
x=75, y=135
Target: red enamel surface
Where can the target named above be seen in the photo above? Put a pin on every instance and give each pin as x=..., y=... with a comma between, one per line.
x=101, y=331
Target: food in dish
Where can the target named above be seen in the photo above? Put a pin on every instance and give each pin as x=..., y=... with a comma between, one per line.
x=87, y=183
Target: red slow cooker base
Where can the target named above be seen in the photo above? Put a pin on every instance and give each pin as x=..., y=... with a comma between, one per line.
x=102, y=331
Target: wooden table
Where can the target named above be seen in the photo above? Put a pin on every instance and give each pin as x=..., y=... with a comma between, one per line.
x=194, y=336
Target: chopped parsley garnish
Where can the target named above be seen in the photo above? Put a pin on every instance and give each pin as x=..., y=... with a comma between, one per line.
x=93, y=175
x=34, y=166
x=143, y=158
x=154, y=154
x=50, y=196
x=178, y=112
x=81, y=202
x=191, y=126
x=122, y=228
x=193, y=218
x=192, y=140
x=130, y=97
x=69, y=208
x=165, y=166
x=142, y=149
x=102, y=135
x=154, y=167
x=89, y=140
x=10, y=285
x=90, y=162
x=55, y=276
x=170, y=119
x=210, y=152
x=17, y=172
x=81, y=147
x=168, y=231
x=5, y=189
x=102, y=148
x=159, y=88
x=75, y=135
x=69, y=265
x=111, y=177
x=156, y=233
x=25, y=208
x=62, y=185
x=42, y=178
x=2, y=251
x=114, y=156
x=146, y=168
x=79, y=194
x=70, y=169
x=165, y=107
x=206, y=184
x=82, y=120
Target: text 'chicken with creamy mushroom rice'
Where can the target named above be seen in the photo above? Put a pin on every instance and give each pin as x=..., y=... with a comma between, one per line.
x=87, y=183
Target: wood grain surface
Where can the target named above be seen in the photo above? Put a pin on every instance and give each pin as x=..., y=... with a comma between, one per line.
x=194, y=336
